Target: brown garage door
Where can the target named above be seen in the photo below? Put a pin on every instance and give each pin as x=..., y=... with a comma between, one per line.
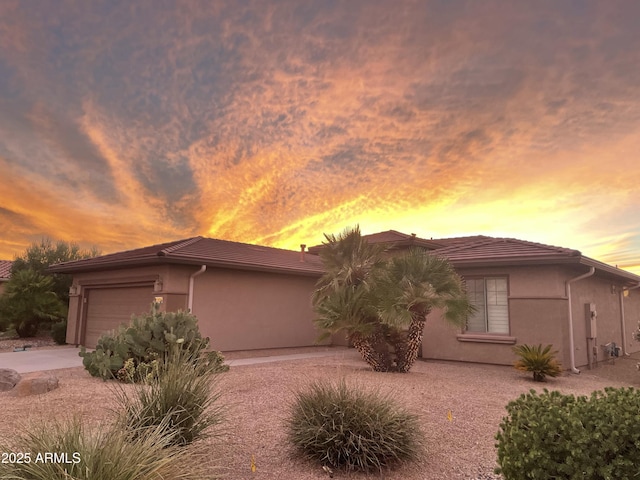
x=109, y=307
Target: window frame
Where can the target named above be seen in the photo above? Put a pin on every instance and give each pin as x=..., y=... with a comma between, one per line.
x=487, y=332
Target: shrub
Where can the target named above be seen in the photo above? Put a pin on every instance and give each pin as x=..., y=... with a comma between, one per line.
x=344, y=427
x=180, y=391
x=147, y=338
x=565, y=437
x=28, y=302
x=59, y=332
x=105, y=454
x=540, y=361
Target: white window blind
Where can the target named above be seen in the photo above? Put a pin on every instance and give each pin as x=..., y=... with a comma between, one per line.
x=489, y=296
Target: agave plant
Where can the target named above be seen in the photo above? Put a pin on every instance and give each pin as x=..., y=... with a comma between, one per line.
x=540, y=361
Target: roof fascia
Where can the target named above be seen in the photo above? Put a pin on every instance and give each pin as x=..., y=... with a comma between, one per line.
x=175, y=260
x=523, y=261
x=615, y=271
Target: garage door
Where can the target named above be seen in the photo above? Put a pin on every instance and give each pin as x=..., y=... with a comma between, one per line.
x=107, y=308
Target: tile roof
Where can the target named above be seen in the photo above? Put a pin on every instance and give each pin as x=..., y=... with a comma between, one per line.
x=481, y=249
x=395, y=239
x=201, y=250
x=478, y=250
x=5, y=269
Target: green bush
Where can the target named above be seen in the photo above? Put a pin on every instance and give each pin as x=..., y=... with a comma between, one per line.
x=179, y=392
x=566, y=437
x=59, y=332
x=344, y=427
x=147, y=338
x=540, y=361
x=104, y=454
x=28, y=301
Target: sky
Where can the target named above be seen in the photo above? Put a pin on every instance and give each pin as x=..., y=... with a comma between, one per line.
x=124, y=124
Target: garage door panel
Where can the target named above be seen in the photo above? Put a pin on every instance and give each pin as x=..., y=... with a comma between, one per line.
x=107, y=308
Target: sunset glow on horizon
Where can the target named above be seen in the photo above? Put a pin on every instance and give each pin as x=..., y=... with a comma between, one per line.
x=124, y=124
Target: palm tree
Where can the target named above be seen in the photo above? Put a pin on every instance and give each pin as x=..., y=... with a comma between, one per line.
x=382, y=301
x=344, y=295
x=414, y=283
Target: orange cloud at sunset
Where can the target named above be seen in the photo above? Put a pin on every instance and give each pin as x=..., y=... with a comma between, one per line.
x=123, y=125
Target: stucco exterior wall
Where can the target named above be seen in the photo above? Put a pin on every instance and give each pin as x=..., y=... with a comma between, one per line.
x=242, y=310
x=103, y=279
x=237, y=309
x=632, y=318
x=605, y=294
x=539, y=314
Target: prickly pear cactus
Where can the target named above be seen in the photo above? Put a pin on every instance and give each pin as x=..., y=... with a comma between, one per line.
x=148, y=337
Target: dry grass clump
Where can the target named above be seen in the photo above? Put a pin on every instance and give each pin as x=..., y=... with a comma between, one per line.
x=101, y=453
x=183, y=395
x=344, y=426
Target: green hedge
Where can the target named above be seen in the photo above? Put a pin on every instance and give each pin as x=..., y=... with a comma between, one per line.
x=566, y=437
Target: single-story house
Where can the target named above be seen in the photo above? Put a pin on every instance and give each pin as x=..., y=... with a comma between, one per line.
x=245, y=296
x=530, y=293
x=5, y=273
x=250, y=297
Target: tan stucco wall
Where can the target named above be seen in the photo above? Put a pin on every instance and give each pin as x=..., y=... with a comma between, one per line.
x=539, y=313
x=605, y=294
x=2, y=285
x=84, y=281
x=242, y=310
x=632, y=319
x=236, y=309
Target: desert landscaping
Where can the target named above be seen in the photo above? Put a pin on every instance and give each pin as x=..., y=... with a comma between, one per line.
x=460, y=407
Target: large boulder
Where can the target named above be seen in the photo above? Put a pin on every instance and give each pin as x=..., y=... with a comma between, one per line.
x=35, y=385
x=8, y=379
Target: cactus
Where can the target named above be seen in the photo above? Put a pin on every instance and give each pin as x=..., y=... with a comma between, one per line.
x=147, y=338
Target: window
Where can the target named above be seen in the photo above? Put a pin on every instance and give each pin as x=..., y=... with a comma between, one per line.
x=489, y=296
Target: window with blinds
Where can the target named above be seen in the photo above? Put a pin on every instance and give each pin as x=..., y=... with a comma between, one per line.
x=489, y=297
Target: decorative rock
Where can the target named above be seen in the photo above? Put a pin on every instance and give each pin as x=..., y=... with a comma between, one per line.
x=8, y=379
x=36, y=385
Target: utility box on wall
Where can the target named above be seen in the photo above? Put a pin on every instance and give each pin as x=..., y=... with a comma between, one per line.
x=591, y=317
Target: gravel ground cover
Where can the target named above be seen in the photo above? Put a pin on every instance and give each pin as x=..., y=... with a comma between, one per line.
x=460, y=406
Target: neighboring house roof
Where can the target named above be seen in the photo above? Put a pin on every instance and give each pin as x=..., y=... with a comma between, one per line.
x=199, y=251
x=5, y=270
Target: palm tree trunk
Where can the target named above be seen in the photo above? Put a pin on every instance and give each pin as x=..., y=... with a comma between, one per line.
x=373, y=350
x=407, y=350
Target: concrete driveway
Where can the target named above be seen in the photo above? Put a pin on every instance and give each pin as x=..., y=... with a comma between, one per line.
x=67, y=357
x=42, y=359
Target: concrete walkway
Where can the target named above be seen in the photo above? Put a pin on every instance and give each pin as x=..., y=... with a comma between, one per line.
x=41, y=359
x=56, y=358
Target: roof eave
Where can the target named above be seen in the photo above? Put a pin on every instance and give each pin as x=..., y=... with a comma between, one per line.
x=108, y=265
x=511, y=261
x=614, y=271
x=545, y=260
x=177, y=260
x=242, y=266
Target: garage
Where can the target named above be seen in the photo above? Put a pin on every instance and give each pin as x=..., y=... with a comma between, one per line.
x=107, y=308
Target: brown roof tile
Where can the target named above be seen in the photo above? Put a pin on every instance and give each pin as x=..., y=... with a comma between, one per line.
x=201, y=250
x=395, y=239
x=5, y=269
x=489, y=248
